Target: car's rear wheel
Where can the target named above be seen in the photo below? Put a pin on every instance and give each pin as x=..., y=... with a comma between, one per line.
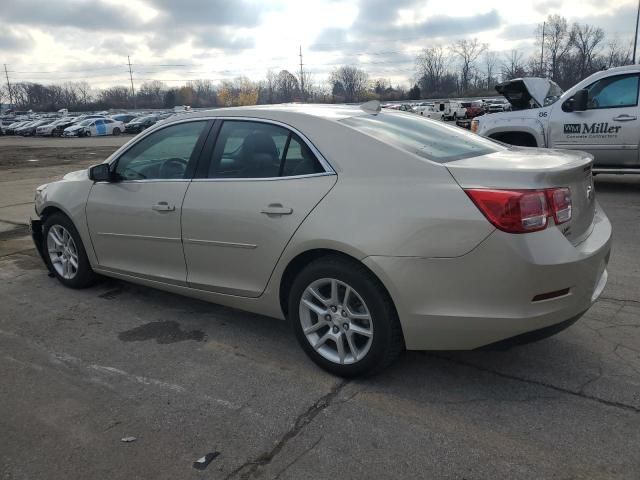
x=116, y=131
x=65, y=254
x=343, y=318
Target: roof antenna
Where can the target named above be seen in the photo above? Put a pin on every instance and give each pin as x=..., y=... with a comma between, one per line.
x=372, y=106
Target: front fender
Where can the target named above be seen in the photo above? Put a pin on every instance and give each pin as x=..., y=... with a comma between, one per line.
x=70, y=196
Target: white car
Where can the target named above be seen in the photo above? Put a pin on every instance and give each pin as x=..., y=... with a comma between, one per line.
x=95, y=127
x=429, y=111
x=49, y=129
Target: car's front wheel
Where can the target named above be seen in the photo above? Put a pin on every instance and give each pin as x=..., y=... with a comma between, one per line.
x=343, y=318
x=65, y=254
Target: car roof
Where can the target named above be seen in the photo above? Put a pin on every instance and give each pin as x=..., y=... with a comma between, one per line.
x=325, y=111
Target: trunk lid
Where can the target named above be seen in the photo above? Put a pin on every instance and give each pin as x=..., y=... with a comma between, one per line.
x=533, y=168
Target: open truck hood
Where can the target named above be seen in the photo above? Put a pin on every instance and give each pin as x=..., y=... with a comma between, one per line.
x=528, y=92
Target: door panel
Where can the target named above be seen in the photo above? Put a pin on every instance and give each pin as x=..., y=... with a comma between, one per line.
x=134, y=221
x=609, y=129
x=135, y=228
x=235, y=231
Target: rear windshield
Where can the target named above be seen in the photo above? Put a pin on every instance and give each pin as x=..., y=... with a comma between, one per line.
x=427, y=138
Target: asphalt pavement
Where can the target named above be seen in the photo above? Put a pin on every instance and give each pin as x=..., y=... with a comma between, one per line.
x=82, y=370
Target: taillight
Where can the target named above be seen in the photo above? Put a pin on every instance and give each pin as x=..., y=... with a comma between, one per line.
x=522, y=211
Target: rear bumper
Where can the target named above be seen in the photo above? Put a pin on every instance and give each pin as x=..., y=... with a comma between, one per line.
x=487, y=295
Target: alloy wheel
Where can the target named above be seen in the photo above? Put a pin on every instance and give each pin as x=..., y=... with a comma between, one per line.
x=336, y=321
x=63, y=252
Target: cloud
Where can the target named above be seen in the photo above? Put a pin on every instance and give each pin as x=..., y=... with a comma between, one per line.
x=12, y=41
x=96, y=15
x=208, y=12
x=377, y=20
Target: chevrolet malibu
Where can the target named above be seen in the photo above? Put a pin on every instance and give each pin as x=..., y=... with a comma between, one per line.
x=370, y=231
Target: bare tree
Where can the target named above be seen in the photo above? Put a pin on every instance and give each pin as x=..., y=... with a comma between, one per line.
x=468, y=51
x=430, y=68
x=286, y=86
x=350, y=81
x=557, y=41
x=585, y=39
x=490, y=63
x=617, y=54
x=513, y=66
x=270, y=86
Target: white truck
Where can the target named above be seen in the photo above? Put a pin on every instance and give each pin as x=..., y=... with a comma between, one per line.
x=451, y=109
x=599, y=115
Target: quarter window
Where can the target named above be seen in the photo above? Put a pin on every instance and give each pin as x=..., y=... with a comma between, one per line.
x=260, y=150
x=612, y=92
x=162, y=155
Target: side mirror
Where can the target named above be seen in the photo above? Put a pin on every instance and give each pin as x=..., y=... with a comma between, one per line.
x=100, y=173
x=577, y=103
x=580, y=100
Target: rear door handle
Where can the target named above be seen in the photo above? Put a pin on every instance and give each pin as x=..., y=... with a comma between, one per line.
x=624, y=118
x=277, y=209
x=163, y=207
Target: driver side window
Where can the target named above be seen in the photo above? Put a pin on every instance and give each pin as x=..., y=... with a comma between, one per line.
x=162, y=155
x=612, y=92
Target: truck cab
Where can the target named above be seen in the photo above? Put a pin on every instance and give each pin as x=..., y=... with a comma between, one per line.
x=598, y=115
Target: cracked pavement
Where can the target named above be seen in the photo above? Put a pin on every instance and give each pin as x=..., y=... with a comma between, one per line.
x=81, y=370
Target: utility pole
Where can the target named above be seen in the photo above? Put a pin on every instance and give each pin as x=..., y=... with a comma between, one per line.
x=6, y=74
x=301, y=76
x=133, y=92
x=635, y=37
x=542, y=52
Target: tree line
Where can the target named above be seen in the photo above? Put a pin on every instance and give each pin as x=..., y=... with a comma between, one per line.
x=566, y=54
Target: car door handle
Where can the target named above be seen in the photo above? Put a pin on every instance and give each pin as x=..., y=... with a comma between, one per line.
x=277, y=209
x=624, y=118
x=163, y=207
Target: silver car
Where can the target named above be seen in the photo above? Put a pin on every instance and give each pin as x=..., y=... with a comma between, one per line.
x=370, y=231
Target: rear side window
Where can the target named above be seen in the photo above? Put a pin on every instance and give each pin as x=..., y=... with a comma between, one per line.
x=431, y=140
x=246, y=149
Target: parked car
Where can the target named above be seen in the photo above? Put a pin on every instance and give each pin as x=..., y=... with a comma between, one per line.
x=429, y=111
x=473, y=109
x=497, y=105
x=94, y=127
x=139, y=124
x=451, y=109
x=51, y=129
x=447, y=240
x=123, y=117
x=11, y=129
x=59, y=129
x=29, y=128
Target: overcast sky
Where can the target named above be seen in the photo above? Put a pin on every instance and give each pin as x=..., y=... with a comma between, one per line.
x=177, y=40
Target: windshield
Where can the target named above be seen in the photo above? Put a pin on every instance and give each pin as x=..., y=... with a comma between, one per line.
x=426, y=138
x=84, y=123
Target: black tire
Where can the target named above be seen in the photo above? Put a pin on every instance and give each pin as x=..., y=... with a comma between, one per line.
x=387, y=343
x=116, y=131
x=85, y=276
x=87, y=133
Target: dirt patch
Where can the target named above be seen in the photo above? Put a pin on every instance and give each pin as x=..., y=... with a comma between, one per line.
x=34, y=157
x=162, y=333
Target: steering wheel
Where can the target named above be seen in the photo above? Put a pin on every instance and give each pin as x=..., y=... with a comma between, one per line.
x=173, y=168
